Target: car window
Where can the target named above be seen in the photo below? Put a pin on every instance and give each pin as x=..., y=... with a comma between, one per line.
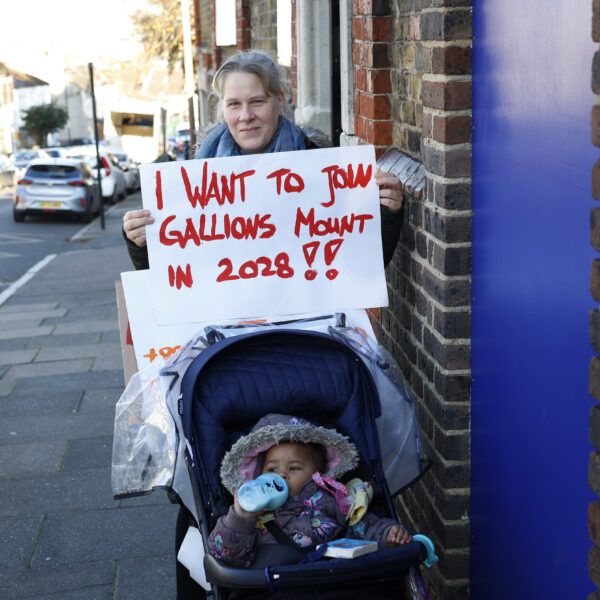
x=53, y=171
x=29, y=155
x=121, y=157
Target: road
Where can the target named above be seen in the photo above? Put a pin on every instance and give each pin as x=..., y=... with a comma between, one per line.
x=22, y=245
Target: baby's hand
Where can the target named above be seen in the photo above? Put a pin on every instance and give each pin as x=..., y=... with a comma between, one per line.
x=398, y=536
x=244, y=513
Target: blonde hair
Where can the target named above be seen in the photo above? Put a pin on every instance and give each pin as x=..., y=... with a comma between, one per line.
x=259, y=64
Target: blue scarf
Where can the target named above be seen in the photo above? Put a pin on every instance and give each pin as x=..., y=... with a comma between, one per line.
x=220, y=142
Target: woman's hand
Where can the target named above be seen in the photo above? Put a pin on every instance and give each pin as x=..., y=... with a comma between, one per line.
x=397, y=536
x=134, y=225
x=390, y=190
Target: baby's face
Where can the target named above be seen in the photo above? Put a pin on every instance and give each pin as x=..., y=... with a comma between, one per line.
x=293, y=462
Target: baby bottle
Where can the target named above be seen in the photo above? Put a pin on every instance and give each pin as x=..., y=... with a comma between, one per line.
x=269, y=491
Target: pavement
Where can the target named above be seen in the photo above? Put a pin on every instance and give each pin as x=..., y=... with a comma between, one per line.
x=63, y=535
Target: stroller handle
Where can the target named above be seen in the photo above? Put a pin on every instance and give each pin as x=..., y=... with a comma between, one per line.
x=432, y=557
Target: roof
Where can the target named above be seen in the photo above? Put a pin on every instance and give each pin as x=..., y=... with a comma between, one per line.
x=21, y=79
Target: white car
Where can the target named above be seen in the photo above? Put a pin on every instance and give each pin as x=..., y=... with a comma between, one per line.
x=131, y=170
x=114, y=186
x=22, y=159
x=7, y=171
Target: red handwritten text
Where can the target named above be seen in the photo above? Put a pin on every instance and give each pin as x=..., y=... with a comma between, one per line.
x=288, y=185
x=225, y=192
x=341, y=179
x=330, y=225
x=212, y=227
x=262, y=266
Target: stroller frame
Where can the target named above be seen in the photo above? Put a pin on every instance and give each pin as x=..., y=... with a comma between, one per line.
x=214, y=373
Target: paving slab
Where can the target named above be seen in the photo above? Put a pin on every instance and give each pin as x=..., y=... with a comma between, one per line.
x=25, y=307
x=46, y=582
x=109, y=363
x=101, y=399
x=53, y=341
x=154, y=574
x=25, y=430
x=62, y=492
x=19, y=537
x=88, y=453
x=71, y=352
x=19, y=459
x=17, y=357
x=83, y=327
x=48, y=402
x=79, y=381
x=22, y=322
x=26, y=313
x=8, y=334
x=90, y=535
x=59, y=367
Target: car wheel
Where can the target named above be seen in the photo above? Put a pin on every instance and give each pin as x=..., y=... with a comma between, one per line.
x=18, y=216
x=87, y=214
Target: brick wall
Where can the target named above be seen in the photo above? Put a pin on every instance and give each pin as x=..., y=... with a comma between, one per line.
x=413, y=90
x=594, y=466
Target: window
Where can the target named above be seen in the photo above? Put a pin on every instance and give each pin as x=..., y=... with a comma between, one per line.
x=225, y=23
x=284, y=32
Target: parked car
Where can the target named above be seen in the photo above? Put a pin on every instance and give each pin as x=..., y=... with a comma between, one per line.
x=57, y=152
x=24, y=157
x=57, y=186
x=131, y=170
x=7, y=171
x=113, y=179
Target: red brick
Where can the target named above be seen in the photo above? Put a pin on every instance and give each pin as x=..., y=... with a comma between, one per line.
x=372, y=81
x=372, y=29
x=446, y=95
x=448, y=130
x=595, y=122
x=371, y=7
x=373, y=107
x=596, y=181
x=594, y=565
x=595, y=279
x=595, y=227
x=594, y=522
x=366, y=54
x=447, y=163
x=595, y=377
x=452, y=60
x=382, y=133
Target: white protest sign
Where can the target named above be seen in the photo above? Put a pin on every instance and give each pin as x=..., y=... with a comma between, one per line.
x=277, y=234
x=151, y=340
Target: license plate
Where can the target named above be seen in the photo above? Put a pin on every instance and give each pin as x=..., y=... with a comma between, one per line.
x=49, y=204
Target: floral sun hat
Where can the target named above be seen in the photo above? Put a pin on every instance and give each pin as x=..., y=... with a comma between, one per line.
x=244, y=461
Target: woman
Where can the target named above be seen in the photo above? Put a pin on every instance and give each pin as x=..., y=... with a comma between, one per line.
x=253, y=104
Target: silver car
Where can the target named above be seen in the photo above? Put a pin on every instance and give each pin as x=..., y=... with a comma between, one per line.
x=22, y=159
x=131, y=171
x=57, y=186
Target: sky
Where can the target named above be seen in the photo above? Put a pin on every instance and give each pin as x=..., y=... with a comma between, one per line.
x=30, y=30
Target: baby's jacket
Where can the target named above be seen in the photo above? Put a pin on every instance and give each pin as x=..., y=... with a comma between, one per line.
x=312, y=517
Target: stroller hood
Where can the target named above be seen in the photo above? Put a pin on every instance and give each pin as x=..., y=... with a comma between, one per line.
x=245, y=459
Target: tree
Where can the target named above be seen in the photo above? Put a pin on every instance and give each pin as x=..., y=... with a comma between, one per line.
x=42, y=119
x=159, y=30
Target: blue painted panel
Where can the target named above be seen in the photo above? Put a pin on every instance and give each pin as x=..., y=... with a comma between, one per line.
x=532, y=163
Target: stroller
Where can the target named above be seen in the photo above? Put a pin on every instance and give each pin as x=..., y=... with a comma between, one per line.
x=322, y=370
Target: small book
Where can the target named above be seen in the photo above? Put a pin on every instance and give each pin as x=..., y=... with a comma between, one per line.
x=349, y=548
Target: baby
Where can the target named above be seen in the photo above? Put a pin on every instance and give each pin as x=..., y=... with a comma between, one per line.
x=309, y=458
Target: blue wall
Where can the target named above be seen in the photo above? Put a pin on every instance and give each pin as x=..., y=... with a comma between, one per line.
x=532, y=163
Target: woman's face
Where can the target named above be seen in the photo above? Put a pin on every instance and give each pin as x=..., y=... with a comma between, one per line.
x=251, y=115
